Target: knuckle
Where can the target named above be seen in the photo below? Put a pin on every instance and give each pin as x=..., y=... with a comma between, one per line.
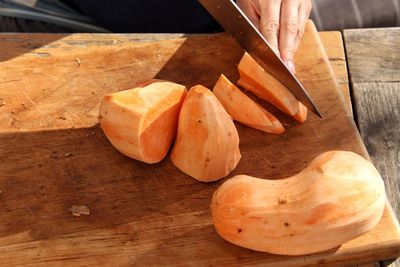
x=300, y=33
x=287, y=52
x=290, y=26
x=270, y=26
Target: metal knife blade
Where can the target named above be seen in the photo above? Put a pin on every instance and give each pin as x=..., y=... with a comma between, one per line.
x=235, y=22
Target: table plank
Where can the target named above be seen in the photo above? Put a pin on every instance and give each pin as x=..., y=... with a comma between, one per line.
x=378, y=116
x=373, y=54
x=379, y=124
x=374, y=61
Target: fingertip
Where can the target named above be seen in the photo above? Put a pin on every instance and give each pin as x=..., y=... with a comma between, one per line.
x=289, y=63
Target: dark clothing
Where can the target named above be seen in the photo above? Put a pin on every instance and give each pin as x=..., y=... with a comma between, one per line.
x=153, y=16
x=170, y=16
x=9, y=24
x=43, y=16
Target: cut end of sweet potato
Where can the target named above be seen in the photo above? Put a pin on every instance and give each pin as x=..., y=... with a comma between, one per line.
x=256, y=80
x=276, y=127
x=141, y=123
x=301, y=116
x=243, y=109
x=207, y=143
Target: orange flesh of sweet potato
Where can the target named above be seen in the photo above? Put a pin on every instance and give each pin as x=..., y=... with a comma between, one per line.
x=256, y=80
x=141, y=123
x=243, y=109
x=250, y=86
x=301, y=116
x=338, y=197
x=207, y=142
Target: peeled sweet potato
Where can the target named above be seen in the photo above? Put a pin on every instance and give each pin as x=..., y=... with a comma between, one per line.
x=256, y=80
x=243, y=109
x=207, y=142
x=301, y=116
x=338, y=197
x=141, y=123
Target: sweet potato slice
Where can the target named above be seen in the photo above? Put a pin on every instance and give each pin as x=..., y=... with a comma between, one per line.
x=207, y=142
x=243, y=109
x=256, y=80
x=301, y=116
x=141, y=123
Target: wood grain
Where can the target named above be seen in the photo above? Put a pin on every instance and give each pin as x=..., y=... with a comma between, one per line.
x=378, y=116
x=54, y=156
x=373, y=54
x=374, y=62
x=333, y=44
x=379, y=122
x=376, y=264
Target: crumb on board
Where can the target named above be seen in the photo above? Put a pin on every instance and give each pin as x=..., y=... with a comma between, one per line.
x=2, y=103
x=77, y=211
x=114, y=41
x=62, y=117
x=78, y=61
x=12, y=112
x=68, y=154
x=91, y=133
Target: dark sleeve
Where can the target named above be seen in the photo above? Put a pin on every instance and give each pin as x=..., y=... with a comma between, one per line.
x=139, y=16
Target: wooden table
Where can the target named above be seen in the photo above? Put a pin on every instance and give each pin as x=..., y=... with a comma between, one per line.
x=333, y=43
x=373, y=57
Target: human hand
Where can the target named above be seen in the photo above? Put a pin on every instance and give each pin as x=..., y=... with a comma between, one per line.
x=281, y=22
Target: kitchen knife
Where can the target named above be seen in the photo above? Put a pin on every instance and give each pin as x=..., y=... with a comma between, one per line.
x=235, y=22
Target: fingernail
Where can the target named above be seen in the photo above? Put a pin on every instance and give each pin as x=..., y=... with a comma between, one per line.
x=290, y=65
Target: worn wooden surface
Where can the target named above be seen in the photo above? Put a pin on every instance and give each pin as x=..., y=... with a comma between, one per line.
x=373, y=55
x=333, y=44
x=374, y=63
x=54, y=156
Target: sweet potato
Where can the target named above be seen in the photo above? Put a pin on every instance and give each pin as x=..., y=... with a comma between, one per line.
x=141, y=123
x=207, y=142
x=243, y=109
x=338, y=197
x=256, y=80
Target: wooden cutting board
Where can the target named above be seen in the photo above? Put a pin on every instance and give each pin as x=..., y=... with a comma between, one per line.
x=53, y=156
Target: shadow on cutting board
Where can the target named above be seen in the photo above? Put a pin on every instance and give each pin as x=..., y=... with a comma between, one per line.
x=42, y=174
x=194, y=62
x=154, y=209
x=17, y=44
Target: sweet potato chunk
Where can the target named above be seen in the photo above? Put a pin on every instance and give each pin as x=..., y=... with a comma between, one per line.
x=207, y=142
x=256, y=80
x=243, y=109
x=141, y=123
